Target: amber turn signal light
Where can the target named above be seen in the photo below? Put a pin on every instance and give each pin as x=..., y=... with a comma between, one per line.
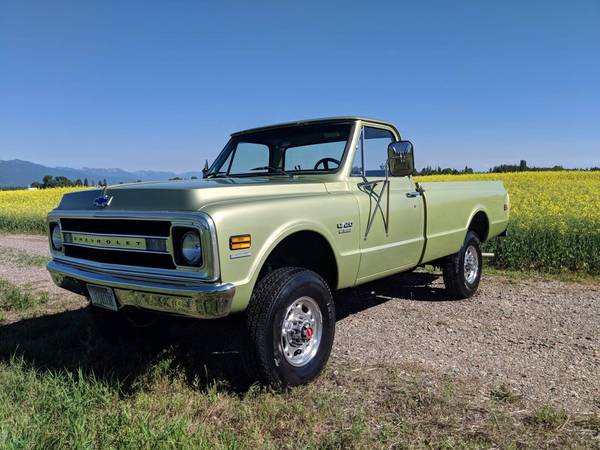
x=240, y=242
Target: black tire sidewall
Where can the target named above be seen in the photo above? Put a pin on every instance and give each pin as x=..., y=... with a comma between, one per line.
x=301, y=284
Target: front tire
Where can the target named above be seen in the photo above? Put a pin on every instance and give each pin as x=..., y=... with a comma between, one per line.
x=291, y=326
x=462, y=271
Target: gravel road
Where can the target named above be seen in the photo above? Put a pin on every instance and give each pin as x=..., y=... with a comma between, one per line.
x=540, y=338
x=14, y=268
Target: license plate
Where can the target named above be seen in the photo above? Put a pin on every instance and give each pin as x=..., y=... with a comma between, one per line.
x=103, y=297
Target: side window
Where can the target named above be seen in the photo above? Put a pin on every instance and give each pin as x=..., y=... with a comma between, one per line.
x=248, y=156
x=376, y=141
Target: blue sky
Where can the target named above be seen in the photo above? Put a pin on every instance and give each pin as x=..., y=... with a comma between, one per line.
x=160, y=85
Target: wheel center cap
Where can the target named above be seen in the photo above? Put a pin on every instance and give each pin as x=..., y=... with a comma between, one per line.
x=307, y=333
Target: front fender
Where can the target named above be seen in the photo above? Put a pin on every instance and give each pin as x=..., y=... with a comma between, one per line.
x=269, y=223
x=286, y=230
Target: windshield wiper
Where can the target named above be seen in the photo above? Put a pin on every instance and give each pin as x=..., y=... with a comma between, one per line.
x=275, y=169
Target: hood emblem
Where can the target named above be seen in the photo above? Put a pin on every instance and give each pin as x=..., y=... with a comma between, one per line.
x=103, y=201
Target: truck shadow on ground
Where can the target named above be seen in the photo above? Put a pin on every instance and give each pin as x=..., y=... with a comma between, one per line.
x=204, y=351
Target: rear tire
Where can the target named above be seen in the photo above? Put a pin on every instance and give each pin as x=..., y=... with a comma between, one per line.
x=291, y=325
x=462, y=271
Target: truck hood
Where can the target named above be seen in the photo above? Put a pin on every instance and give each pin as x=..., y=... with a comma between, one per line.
x=189, y=195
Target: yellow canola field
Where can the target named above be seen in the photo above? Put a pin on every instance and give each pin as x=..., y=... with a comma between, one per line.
x=24, y=211
x=562, y=196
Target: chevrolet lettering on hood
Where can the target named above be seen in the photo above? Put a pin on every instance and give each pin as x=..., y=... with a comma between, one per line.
x=92, y=240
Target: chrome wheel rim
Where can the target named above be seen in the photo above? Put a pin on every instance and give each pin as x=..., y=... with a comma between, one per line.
x=471, y=264
x=301, y=331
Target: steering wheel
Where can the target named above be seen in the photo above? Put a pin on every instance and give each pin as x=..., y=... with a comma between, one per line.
x=325, y=162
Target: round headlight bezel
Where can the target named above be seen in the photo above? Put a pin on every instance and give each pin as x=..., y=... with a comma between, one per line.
x=56, y=237
x=191, y=248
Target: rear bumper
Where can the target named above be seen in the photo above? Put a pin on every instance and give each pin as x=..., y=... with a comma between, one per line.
x=203, y=301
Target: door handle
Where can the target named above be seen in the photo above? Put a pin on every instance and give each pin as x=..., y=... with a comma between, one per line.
x=413, y=194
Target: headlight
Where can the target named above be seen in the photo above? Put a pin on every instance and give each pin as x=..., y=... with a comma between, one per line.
x=190, y=248
x=56, y=237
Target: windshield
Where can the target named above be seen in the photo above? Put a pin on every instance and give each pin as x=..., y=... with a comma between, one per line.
x=284, y=151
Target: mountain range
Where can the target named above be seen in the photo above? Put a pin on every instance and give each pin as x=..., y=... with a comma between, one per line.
x=18, y=173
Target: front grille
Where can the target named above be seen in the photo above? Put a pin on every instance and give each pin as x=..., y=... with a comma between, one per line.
x=114, y=241
x=140, y=259
x=118, y=226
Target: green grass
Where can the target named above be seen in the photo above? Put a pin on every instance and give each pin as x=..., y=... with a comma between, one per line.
x=30, y=223
x=549, y=247
x=23, y=259
x=63, y=386
x=549, y=418
x=46, y=409
x=17, y=298
x=564, y=276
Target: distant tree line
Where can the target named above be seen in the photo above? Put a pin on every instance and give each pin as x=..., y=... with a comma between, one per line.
x=49, y=181
x=429, y=170
x=445, y=171
x=523, y=167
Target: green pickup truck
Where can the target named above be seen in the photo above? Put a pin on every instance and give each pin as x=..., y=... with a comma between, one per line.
x=285, y=215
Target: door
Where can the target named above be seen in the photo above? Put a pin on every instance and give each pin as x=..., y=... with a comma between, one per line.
x=391, y=216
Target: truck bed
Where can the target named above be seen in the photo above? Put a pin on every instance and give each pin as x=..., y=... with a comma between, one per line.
x=450, y=206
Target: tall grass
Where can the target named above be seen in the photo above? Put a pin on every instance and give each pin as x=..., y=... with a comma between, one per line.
x=545, y=246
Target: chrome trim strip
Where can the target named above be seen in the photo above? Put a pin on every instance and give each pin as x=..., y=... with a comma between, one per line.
x=49, y=233
x=240, y=255
x=210, y=271
x=205, y=239
x=130, y=272
x=117, y=235
x=201, y=300
x=118, y=249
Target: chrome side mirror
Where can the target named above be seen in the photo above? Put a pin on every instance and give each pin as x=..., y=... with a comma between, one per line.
x=401, y=161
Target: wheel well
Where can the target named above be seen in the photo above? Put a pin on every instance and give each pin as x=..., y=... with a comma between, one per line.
x=306, y=249
x=480, y=225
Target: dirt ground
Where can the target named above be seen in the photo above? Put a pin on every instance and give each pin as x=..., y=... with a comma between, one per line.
x=539, y=338
x=15, y=270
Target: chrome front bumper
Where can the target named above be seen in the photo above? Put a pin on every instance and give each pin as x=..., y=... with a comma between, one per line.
x=203, y=301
